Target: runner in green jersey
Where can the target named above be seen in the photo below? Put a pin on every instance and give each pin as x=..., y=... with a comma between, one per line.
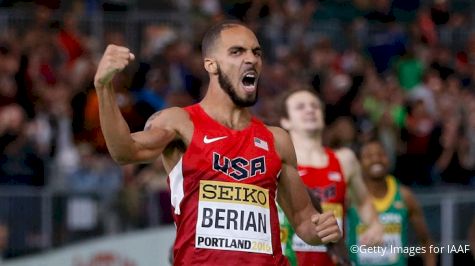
x=286, y=234
x=397, y=207
x=337, y=251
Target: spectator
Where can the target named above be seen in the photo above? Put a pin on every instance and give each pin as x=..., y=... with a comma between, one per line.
x=20, y=160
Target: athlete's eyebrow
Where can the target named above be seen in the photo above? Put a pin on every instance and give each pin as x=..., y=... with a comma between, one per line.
x=236, y=48
x=257, y=49
x=239, y=49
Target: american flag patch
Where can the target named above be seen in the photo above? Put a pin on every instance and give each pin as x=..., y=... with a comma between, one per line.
x=334, y=176
x=261, y=144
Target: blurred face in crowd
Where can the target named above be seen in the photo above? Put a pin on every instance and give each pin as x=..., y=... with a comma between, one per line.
x=305, y=113
x=238, y=64
x=374, y=161
x=12, y=118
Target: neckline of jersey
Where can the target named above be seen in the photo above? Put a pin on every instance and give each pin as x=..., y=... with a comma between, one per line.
x=384, y=203
x=329, y=161
x=247, y=127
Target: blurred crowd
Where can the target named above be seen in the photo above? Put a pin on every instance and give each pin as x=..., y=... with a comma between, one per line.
x=402, y=71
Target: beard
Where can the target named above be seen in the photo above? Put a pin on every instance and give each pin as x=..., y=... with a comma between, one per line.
x=226, y=85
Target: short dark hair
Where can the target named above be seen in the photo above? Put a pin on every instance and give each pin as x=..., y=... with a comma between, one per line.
x=213, y=33
x=372, y=140
x=282, y=100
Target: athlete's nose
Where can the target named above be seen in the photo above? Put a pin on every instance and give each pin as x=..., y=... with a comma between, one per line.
x=309, y=108
x=250, y=58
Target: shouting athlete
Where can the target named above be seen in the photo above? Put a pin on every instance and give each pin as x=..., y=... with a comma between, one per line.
x=224, y=165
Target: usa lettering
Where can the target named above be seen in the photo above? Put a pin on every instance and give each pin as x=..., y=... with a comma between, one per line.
x=238, y=168
x=325, y=193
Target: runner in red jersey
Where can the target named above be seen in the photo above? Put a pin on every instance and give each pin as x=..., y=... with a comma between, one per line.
x=225, y=166
x=325, y=172
x=329, y=186
x=234, y=202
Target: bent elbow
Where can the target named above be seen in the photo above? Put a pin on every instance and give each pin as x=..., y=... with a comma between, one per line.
x=121, y=159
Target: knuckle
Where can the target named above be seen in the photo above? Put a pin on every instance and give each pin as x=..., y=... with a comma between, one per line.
x=110, y=47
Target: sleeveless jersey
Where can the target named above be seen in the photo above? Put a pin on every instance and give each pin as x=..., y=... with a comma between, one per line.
x=393, y=215
x=223, y=195
x=329, y=185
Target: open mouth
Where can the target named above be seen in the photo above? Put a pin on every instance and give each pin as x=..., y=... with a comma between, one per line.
x=249, y=81
x=376, y=168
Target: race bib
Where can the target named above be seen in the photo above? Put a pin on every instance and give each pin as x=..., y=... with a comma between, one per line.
x=233, y=216
x=300, y=245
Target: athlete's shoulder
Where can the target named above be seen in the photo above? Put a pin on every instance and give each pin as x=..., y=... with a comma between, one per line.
x=176, y=111
x=276, y=130
x=406, y=194
x=349, y=164
x=167, y=117
x=345, y=152
x=281, y=136
x=345, y=156
x=283, y=144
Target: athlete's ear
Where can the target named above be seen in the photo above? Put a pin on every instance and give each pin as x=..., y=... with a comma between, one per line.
x=285, y=123
x=211, y=65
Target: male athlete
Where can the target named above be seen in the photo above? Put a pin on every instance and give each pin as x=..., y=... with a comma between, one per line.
x=396, y=206
x=224, y=165
x=326, y=173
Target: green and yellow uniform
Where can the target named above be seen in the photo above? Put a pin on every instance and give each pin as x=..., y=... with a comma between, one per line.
x=286, y=235
x=393, y=215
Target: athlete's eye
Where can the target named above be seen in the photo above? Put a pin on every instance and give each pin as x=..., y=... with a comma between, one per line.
x=315, y=106
x=235, y=52
x=300, y=106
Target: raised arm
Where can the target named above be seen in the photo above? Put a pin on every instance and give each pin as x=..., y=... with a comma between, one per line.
x=123, y=146
x=311, y=226
x=417, y=220
x=360, y=196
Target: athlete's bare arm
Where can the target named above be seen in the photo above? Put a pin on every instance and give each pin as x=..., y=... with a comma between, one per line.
x=360, y=196
x=417, y=220
x=338, y=251
x=311, y=226
x=123, y=146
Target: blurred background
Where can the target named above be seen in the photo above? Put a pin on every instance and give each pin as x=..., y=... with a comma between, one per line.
x=399, y=70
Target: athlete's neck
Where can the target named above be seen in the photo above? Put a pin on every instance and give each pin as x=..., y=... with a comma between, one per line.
x=306, y=141
x=309, y=150
x=219, y=106
x=376, y=187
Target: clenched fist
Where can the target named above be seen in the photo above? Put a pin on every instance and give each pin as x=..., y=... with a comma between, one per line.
x=326, y=227
x=373, y=236
x=114, y=60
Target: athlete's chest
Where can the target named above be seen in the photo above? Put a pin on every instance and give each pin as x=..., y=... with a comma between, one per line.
x=328, y=184
x=237, y=176
x=234, y=155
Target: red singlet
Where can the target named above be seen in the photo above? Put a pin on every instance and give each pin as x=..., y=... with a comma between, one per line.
x=328, y=184
x=223, y=194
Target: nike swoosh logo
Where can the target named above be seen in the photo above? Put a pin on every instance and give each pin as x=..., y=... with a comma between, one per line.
x=206, y=140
